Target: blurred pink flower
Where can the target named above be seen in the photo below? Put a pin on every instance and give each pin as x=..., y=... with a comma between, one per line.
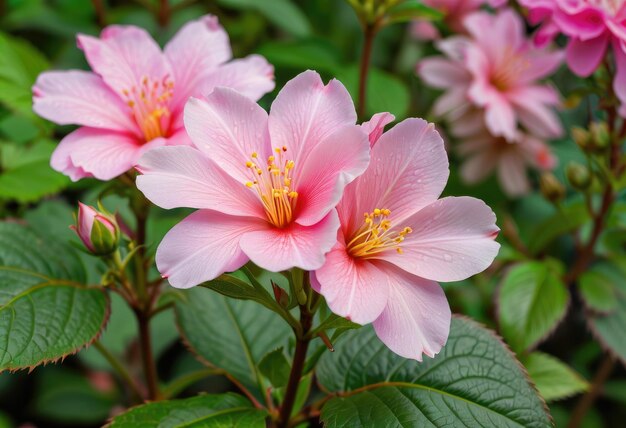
x=591, y=25
x=397, y=238
x=496, y=71
x=133, y=100
x=482, y=154
x=265, y=187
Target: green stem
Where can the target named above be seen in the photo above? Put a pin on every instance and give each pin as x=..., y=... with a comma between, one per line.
x=149, y=366
x=120, y=369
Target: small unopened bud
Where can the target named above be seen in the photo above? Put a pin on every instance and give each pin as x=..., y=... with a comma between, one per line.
x=280, y=295
x=551, y=188
x=98, y=231
x=600, y=136
x=578, y=175
x=581, y=137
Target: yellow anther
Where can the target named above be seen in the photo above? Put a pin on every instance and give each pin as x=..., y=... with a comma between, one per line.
x=376, y=235
x=249, y=184
x=399, y=250
x=293, y=194
x=290, y=164
x=277, y=150
x=249, y=164
x=376, y=212
x=287, y=182
x=386, y=212
x=254, y=154
x=270, y=159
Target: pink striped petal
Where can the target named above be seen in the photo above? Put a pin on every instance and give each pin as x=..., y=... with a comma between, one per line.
x=306, y=111
x=375, y=127
x=228, y=127
x=299, y=246
x=512, y=173
x=442, y=73
x=452, y=239
x=80, y=98
x=181, y=176
x=202, y=247
x=417, y=317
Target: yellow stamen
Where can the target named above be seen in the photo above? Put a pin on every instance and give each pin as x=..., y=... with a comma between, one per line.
x=376, y=235
x=149, y=105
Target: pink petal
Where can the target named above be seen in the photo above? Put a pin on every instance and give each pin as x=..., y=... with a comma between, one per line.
x=442, y=73
x=452, y=239
x=277, y=250
x=542, y=63
x=91, y=152
x=512, y=174
x=330, y=167
x=533, y=109
x=619, y=82
x=500, y=117
x=183, y=176
x=123, y=56
x=478, y=167
x=354, y=289
x=376, y=125
x=453, y=101
x=251, y=76
x=417, y=317
x=586, y=23
x=408, y=170
x=202, y=247
x=197, y=49
x=305, y=112
x=584, y=57
x=228, y=127
x=80, y=98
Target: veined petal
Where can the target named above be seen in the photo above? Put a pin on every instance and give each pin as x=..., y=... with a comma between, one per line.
x=584, y=57
x=512, y=173
x=375, y=127
x=80, y=98
x=451, y=239
x=228, y=127
x=202, y=247
x=182, y=176
x=294, y=246
x=416, y=319
x=305, y=112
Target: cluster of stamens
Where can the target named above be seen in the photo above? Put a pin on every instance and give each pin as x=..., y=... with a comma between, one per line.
x=149, y=104
x=376, y=235
x=274, y=185
x=511, y=67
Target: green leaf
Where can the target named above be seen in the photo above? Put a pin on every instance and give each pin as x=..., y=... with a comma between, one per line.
x=569, y=218
x=531, y=302
x=282, y=13
x=554, y=379
x=275, y=367
x=301, y=55
x=609, y=328
x=385, y=92
x=26, y=174
x=474, y=381
x=211, y=410
x=412, y=9
x=46, y=313
x=233, y=335
x=597, y=290
x=616, y=390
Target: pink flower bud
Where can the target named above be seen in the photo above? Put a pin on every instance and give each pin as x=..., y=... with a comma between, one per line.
x=99, y=232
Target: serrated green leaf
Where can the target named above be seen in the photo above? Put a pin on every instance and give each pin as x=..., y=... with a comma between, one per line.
x=275, y=367
x=554, y=379
x=45, y=311
x=474, y=381
x=597, y=290
x=531, y=302
x=211, y=410
x=282, y=13
x=233, y=335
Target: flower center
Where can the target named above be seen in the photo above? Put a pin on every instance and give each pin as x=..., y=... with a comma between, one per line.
x=273, y=183
x=149, y=105
x=376, y=235
x=505, y=75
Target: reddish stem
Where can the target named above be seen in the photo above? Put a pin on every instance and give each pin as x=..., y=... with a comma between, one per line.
x=369, y=33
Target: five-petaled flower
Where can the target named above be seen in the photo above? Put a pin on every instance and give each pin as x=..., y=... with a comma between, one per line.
x=265, y=187
x=134, y=98
x=397, y=238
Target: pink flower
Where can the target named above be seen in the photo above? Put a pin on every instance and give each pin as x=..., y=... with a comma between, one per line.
x=265, y=187
x=591, y=25
x=482, y=154
x=133, y=100
x=496, y=71
x=99, y=232
x=397, y=238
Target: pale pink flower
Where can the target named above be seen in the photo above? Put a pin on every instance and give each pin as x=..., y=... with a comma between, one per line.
x=133, y=100
x=397, y=238
x=592, y=26
x=496, y=71
x=265, y=187
x=484, y=154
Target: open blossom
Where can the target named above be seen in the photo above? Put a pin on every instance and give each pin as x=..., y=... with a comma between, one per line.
x=496, y=71
x=592, y=26
x=484, y=154
x=134, y=98
x=397, y=238
x=265, y=187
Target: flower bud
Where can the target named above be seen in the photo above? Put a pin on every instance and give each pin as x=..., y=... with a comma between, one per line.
x=578, y=175
x=551, y=188
x=99, y=232
x=600, y=136
x=581, y=137
x=280, y=295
